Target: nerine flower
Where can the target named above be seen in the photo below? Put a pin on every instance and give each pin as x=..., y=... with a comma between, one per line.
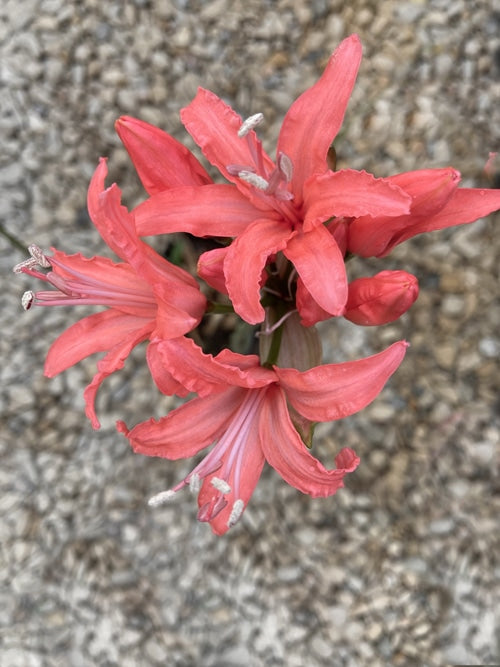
x=250, y=413
x=145, y=296
x=290, y=204
x=278, y=205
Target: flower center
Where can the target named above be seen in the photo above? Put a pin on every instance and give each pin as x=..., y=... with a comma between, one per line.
x=272, y=185
x=74, y=287
x=226, y=459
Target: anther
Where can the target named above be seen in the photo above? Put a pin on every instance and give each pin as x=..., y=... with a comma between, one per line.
x=254, y=179
x=27, y=300
x=161, y=498
x=29, y=263
x=221, y=485
x=249, y=124
x=236, y=512
x=285, y=166
x=194, y=483
x=37, y=253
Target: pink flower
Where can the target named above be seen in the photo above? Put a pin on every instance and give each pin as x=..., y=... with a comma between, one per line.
x=437, y=203
x=145, y=295
x=251, y=413
x=276, y=206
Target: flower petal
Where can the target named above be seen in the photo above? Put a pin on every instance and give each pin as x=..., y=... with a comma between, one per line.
x=430, y=190
x=245, y=262
x=91, y=334
x=211, y=210
x=287, y=454
x=161, y=161
x=350, y=193
x=113, y=361
x=163, y=379
x=465, y=206
x=314, y=119
x=188, y=429
x=214, y=126
x=211, y=268
x=334, y=391
x=204, y=374
x=320, y=264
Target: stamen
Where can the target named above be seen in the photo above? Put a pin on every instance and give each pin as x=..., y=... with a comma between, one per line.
x=254, y=179
x=236, y=512
x=27, y=264
x=269, y=330
x=234, y=169
x=27, y=300
x=285, y=166
x=194, y=483
x=37, y=253
x=161, y=498
x=221, y=485
x=249, y=124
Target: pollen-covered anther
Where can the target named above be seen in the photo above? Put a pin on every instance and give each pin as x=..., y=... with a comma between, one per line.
x=254, y=179
x=220, y=484
x=249, y=124
x=27, y=299
x=194, y=483
x=236, y=512
x=161, y=498
x=37, y=253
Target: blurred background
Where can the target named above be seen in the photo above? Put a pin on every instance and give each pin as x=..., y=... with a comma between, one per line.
x=402, y=566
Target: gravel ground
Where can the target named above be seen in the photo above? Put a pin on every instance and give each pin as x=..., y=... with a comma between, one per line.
x=401, y=567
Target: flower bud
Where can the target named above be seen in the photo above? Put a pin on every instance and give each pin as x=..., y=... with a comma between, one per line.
x=300, y=346
x=211, y=268
x=380, y=299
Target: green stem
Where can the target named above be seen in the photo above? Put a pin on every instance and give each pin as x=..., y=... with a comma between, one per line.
x=13, y=240
x=219, y=308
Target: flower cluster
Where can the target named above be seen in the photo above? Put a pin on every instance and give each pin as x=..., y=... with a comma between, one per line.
x=277, y=234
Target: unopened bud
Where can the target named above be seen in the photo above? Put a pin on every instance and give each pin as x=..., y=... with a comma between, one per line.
x=380, y=299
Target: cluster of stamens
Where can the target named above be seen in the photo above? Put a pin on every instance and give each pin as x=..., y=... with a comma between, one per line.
x=274, y=183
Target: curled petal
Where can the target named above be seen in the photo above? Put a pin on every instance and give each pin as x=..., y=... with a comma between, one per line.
x=245, y=262
x=287, y=454
x=91, y=334
x=205, y=374
x=113, y=361
x=320, y=265
x=350, y=193
x=211, y=268
x=163, y=379
x=188, y=429
x=334, y=391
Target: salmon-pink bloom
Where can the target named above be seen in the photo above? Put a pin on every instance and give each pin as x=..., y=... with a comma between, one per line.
x=145, y=295
x=278, y=205
x=382, y=298
x=437, y=203
x=249, y=412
